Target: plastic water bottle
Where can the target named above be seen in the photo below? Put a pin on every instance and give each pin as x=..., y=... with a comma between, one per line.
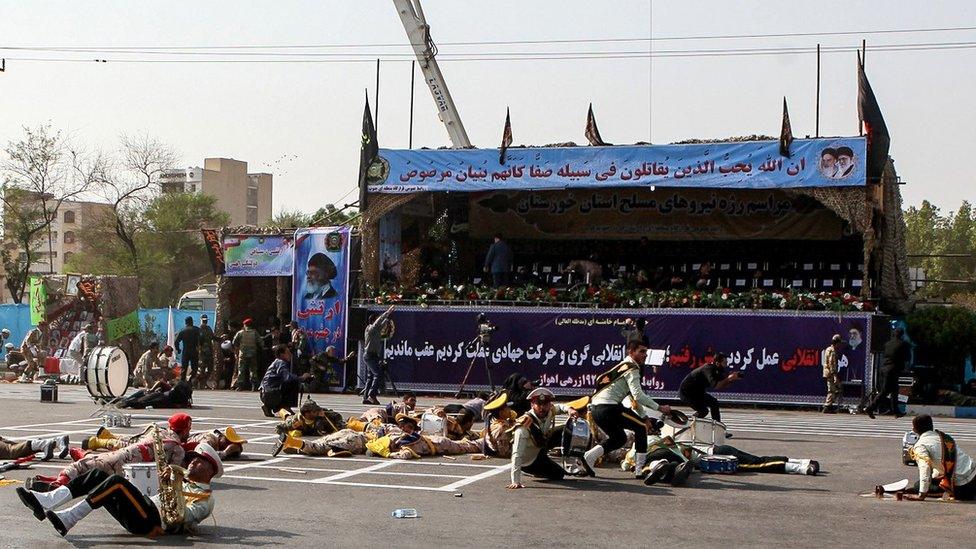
x=404, y=513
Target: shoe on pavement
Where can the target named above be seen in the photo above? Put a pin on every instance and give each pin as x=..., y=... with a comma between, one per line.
x=870, y=413
x=278, y=446
x=813, y=468
x=681, y=473
x=656, y=473
x=266, y=411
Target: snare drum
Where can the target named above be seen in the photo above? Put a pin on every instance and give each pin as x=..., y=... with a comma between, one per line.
x=721, y=465
x=106, y=373
x=144, y=476
x=698, y=432
x=576, y=437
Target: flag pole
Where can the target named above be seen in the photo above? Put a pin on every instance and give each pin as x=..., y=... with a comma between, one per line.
x=818, y=92
x=413, y=72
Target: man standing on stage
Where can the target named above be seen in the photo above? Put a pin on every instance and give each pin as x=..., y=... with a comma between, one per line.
x=830, y=374
x=693, y=389
x=136, y=512
x=613, y=417
x=188, y=344
x=498, y=262
x=374, y=348
x=896, y=355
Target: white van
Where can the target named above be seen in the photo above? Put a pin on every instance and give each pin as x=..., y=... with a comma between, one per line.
x=204, y=298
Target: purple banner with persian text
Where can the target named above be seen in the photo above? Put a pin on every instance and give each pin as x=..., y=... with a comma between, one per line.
x=778, y=353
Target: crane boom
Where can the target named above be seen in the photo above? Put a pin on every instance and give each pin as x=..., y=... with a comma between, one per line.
x=418, y=32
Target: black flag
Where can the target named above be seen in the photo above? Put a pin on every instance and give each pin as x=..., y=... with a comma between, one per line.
x=368, y=152
x=869, y=114
x=506, y=137
x=592, y=133
x=786, y=133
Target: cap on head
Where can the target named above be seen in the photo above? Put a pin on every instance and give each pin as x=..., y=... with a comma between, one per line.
x=837, y=339
x=231, y=435
x=204, y=317
x=406, y=418
x=207, y=452
x=540, y=394
x=180, y=422
x=310, y=407
x=248, y=321
x=497, y=402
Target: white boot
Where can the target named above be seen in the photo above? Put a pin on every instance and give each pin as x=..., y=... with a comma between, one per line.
x=45, y=445
x=592, y=455
x=65, y=520
x=799, y=467
x=39, y=502
x=639, y=460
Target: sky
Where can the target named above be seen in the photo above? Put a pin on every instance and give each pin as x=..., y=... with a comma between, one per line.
x=301, y=121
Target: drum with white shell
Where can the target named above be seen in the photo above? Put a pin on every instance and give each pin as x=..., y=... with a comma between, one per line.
x=106, y=373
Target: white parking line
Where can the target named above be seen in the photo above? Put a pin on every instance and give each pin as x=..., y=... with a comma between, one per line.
x=355, y=472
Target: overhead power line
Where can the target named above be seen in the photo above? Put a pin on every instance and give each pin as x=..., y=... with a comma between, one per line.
x=509, y=42
x=240, y=57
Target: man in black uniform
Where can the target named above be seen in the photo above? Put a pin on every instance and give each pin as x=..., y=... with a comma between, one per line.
x=896, y=354
x=694, y=387
x=188, y=343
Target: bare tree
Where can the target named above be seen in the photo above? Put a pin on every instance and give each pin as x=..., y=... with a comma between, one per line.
x=130, y=182
x=40, y=172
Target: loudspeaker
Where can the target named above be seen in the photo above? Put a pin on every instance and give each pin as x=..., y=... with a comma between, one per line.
x=880, y=332
x=357, y=322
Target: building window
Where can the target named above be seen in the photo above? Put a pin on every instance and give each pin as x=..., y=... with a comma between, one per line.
x=252, y=216
x=69, y=216
x=69, y=237
x=67, y=255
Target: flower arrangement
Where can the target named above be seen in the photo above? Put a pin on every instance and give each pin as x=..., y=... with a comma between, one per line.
x=619, y=296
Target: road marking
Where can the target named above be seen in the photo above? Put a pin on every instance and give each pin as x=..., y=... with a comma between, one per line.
x=476, y=478
x=354, y=472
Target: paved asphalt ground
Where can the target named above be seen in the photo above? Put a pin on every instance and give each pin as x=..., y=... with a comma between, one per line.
x=299, y=501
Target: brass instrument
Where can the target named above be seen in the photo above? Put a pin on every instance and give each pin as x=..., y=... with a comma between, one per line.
x=172, y=505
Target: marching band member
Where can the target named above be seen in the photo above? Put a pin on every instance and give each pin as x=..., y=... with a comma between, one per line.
x=12, y=449
x=613, y=417
x=939, y=458
x=535, y=433
x=497, y=434
x=413, y=444
x=311, y=420
x=112, y=462
x=137, y=513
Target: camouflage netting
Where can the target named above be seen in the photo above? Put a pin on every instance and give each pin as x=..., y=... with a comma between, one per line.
x=378, y=205
x=873, y=211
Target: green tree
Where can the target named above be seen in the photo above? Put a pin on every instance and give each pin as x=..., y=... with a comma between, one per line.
x=331, y=216
x=39, y=173
x=171, y=254
x=289, y=219
x=930, y=233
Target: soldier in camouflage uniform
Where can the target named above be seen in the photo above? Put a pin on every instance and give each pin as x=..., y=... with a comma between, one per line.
x=247, y=343
x=311, y=420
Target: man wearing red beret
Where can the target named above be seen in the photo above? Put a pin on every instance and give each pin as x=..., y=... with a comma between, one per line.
x=141, y=451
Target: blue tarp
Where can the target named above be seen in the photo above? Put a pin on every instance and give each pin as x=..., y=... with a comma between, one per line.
x=16, y=318
x=833, y=162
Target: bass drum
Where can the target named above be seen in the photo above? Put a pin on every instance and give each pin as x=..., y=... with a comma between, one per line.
x=106, y=373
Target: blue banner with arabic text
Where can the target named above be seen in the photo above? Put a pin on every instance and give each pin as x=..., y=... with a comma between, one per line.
x=778, y=353
x=836, y=162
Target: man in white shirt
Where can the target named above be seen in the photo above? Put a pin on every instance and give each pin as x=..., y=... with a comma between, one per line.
x=535, y=434
x=938, y=457
x=613, y=417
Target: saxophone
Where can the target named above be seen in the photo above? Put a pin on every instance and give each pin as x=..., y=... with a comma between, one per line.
x=171, y=502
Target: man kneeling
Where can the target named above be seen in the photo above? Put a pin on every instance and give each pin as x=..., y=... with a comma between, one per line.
x=136, y=512
x=535, y=434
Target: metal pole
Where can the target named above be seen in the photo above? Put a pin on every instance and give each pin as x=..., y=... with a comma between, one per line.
x=818, y=91
x=376, y=99
x=413, y=74
x=650, y=70
x=864, y=51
